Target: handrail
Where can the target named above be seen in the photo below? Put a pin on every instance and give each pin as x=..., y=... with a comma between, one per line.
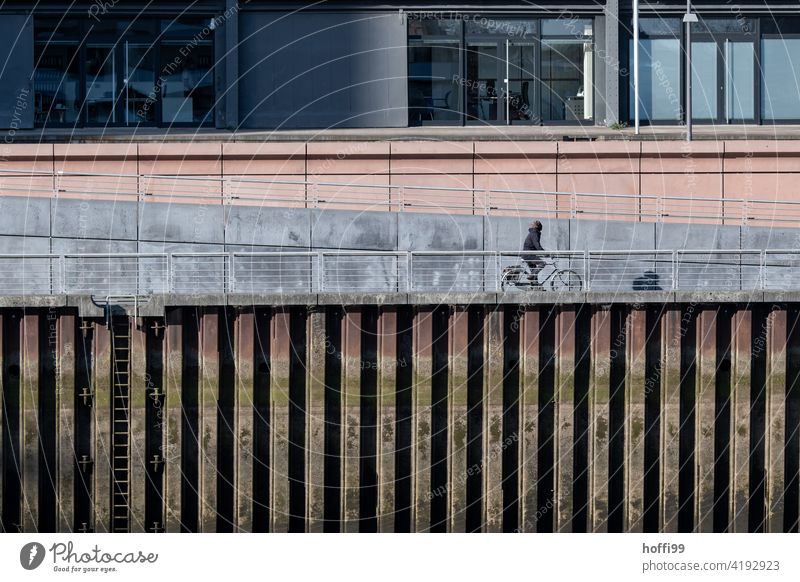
x=291, y=272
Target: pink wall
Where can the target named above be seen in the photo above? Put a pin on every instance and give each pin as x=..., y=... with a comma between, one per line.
x=751, y=170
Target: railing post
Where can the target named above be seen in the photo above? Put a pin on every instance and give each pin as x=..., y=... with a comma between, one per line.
x=401, y=199
x=763, y=269
x=317, y=270
x=487, y=196
x=498, y=263
x=674, y=262
x=170, y=279
x=231, y=280
x=659, y=209
x=745, y=211
x=62, y=275
x=587, y=270
x=573, y=205
x=409, y=267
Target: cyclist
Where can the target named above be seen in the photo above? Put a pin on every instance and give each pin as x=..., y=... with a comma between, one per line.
x=533, y=243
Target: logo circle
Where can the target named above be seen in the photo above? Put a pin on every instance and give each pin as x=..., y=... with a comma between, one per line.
x=31, y=555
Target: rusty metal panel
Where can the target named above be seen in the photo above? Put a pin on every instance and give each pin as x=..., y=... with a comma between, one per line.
x=102, y=452
x=529, y=413
x=29, y=413
x=279, y=422
x=742, y=348
x=704, y=424
x=172, y=419
x=138, y=425
x=65, y=427
x=598, y=423
x=775, y=437
x=315, y=425
x=351, y=419
x=207, y=425
x=387, y=415
x=458, y=340
x=421, y=420
x=564, y=418
x=669, y=454
x=493, y=422
x=244, y=414
x=634, y=419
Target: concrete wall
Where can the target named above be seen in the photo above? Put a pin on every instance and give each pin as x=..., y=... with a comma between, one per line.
x=72, y=226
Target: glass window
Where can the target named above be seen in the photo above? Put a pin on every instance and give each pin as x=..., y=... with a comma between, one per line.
x=567, y=75
x=659, y=79
x=434, y=87
x=780, y=92
x=511, y=28
x=660, y=27
x=186, y=83
x=724, y=25
x=705, y=89
x=574, y=27
x=56, y=83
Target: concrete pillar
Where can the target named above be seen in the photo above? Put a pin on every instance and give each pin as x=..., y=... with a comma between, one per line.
x=138, y=425
x=315, y=427
x=565, y=419
x=743, y=350
x=65, y=422
x=635, y=427
x=351, y=419
x=279, y=422
x=102, y=440
x=421, y=421
x=529, y=417
x=598, y=422
x=457, y=427
x=207, y=423
x=388, y=363
x=669, y=450
x=172, y=420
x=776, y=404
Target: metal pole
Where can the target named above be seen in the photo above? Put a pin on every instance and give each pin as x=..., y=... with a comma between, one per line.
x=636, y=66
x=688, y=19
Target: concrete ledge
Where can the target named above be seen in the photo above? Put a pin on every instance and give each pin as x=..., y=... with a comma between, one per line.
x=273, y=299
x=451, y=298
x=33, y=301
x=362, y=299
x=154, y=305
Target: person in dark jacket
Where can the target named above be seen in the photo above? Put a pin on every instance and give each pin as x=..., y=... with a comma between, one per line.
x=533, y=243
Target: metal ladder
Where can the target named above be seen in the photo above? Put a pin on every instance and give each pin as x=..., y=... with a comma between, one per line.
x=120, y=417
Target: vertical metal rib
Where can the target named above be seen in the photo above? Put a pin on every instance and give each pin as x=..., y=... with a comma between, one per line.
x=279, y=422
x=457, y=429
x=529, y=417
x=421, y=421
x=102, y=452
x=244, y=414
x=670, y=434
x=173, y=425
x=635, y=395
x=388, y=364
x=493, y=422
x=598, y=424
x=315, y=428
x=30, y=422
x=565, y=420
x=351, y=418
x=138, y=425
x=776, y=425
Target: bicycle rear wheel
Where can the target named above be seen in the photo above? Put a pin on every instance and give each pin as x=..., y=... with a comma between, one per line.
x=566, y=280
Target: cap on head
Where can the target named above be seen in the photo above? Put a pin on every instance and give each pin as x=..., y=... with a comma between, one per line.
x=536, y=225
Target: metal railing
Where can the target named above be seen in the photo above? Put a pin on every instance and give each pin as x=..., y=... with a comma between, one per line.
x=288, y=273
x=246, y=190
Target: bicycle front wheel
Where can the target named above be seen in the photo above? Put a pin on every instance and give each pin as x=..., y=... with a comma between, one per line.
x=566, y=280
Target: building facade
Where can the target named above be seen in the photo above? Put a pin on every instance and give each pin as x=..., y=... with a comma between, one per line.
x=340, y=64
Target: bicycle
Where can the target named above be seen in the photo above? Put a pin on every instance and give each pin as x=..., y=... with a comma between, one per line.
x=556, y=280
